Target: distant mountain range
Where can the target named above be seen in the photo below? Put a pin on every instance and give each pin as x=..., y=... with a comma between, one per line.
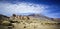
x=34, y=15
x=2, y=17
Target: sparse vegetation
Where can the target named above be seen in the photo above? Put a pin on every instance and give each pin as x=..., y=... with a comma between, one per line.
x=6, y=23
x=28, y=22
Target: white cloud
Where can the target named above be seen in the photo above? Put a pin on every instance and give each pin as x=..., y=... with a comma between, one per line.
x=21, y=8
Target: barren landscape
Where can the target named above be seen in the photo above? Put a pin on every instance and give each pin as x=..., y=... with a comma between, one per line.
x=27, y=22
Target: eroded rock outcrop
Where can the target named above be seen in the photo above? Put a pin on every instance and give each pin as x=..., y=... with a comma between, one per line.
x=29, y=22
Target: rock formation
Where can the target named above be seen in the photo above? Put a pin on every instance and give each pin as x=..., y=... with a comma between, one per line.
x=29, y=22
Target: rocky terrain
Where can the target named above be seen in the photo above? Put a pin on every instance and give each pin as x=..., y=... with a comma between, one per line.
x=28, y=22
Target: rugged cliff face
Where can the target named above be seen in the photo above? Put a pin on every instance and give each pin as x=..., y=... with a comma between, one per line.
x=29, y=22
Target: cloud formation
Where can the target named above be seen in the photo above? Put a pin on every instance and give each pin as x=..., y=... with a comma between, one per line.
x=9, y=8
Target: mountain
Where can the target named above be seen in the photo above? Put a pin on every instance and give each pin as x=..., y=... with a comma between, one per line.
x=39, y=16
x=56, y=19
x=3, y=17
x=42, y=16
x=31, y=21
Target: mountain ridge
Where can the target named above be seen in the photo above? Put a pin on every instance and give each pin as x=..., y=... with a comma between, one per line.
x=28, y=22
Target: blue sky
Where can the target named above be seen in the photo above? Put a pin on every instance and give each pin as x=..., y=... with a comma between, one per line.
x=49, y=8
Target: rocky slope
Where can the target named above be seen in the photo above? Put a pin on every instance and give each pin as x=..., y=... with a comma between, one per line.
x=29, y=22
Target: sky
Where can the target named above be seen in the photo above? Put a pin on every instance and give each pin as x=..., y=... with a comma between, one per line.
x=49, y=8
